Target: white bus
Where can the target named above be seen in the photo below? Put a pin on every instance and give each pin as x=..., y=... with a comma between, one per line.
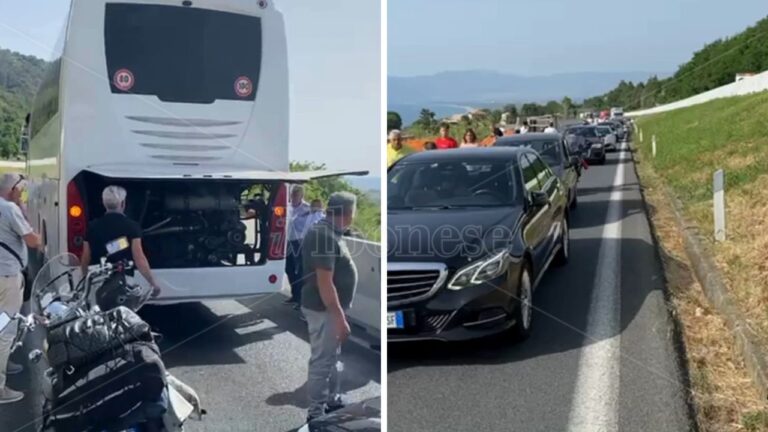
x=185, y=104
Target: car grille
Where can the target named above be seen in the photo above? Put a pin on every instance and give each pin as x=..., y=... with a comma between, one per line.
x=411, y=285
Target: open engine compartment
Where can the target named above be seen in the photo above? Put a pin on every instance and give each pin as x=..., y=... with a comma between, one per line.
x=192, y=223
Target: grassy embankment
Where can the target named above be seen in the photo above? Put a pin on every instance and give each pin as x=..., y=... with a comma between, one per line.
x=692, y=144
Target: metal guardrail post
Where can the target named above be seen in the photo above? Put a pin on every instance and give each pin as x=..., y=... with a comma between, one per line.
x=718, y=180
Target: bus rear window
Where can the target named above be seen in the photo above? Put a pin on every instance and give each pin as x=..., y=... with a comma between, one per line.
x=182, y=54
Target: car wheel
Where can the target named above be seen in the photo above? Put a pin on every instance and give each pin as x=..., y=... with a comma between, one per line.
x=565, y=245
x=524, y=310
x=602, y=160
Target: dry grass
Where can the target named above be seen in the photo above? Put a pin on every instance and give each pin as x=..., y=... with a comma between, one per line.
x=725, y=397
x=743, y=258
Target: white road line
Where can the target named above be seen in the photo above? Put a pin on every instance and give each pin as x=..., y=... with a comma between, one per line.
x=595, y=400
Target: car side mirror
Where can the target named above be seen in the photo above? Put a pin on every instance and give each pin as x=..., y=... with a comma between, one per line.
x=539, y=199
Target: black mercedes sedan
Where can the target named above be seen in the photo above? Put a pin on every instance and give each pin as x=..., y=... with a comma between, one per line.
x=470, y=233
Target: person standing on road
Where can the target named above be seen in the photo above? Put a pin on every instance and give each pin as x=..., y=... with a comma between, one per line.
x=298, y=213
x=445, y=141
x=116, y=237
x=524, y=128
x=328, y=293
x=395, y=148
x=317, y=212
x=551, y=128
x=469, y=139
x=15, y=236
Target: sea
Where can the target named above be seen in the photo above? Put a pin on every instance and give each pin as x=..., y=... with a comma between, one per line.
x=410, y=112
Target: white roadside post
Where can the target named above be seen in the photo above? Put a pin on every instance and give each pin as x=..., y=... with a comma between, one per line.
x=641, y=135
x=719, y=202
x=653, y=145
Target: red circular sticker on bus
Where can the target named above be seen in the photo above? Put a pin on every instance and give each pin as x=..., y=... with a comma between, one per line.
x=123, y=79
x=243, y=86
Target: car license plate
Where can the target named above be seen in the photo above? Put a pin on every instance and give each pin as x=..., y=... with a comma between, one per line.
x=395, y=320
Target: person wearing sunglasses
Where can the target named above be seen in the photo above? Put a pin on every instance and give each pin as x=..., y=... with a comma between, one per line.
x=16, y=235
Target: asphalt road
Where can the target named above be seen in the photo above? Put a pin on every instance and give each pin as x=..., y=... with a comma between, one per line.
x=601, y=356
x=246, y=359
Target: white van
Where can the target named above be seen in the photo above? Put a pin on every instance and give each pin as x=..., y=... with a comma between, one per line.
x=185, y=104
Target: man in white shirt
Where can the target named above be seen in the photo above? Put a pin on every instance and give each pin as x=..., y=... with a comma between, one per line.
x=551, y=128
x=524, y=128
x=15, y=236
x=298, y=213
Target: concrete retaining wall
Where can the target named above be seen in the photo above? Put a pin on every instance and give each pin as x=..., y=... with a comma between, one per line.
x=753, y=84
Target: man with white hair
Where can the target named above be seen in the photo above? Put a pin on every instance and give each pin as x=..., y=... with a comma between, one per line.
x=328, y=291
x=116, y=237
x=395, y=149
x=15, y=236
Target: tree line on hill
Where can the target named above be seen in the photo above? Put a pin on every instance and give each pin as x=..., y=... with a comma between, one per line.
x=20, y=76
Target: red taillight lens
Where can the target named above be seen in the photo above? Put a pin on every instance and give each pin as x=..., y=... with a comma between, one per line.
x=277, y=224
x=76, y=221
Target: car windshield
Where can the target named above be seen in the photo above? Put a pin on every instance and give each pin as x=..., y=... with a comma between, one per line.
x=587, y=132
x=548, y=149
x=452, y=184
x=180, y=54
x=603, y=131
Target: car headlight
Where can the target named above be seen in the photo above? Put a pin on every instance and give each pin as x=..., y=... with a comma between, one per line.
x=480, y=271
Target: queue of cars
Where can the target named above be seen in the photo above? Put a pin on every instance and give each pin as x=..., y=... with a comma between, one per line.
x=472, y=231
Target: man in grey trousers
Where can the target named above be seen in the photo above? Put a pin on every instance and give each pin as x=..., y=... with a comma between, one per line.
x=329, y=286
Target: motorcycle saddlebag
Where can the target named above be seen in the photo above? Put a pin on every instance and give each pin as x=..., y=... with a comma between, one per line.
x=114, y=392
x=76, y=343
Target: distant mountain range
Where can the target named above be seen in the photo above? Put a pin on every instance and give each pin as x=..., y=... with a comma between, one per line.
x=366, y=183
x=487, y=87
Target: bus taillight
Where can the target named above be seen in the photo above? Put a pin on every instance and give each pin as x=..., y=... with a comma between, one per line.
x=76, y=222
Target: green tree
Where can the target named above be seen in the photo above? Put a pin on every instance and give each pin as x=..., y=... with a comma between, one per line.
x=568, y=107
x=394, y=121
x=531, y=109
x=368, y=219
x=553, y=107
x=510, y=109
x=495, y=116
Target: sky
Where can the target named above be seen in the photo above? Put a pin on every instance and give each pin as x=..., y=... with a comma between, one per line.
x=542, y=37
x=334, y=56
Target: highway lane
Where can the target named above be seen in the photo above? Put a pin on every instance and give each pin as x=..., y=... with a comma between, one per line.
x=247, y=359
x=601, y=356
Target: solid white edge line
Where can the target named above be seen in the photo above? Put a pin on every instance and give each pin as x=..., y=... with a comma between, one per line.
x=595, y=399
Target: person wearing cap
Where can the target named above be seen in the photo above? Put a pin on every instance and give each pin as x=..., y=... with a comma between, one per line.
x=395, y=148
x=116, y=237
x=16, y=235
x=331, y=280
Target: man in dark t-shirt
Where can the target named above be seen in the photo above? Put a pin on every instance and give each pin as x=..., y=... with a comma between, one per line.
x=116, y=237
x=328, y=291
